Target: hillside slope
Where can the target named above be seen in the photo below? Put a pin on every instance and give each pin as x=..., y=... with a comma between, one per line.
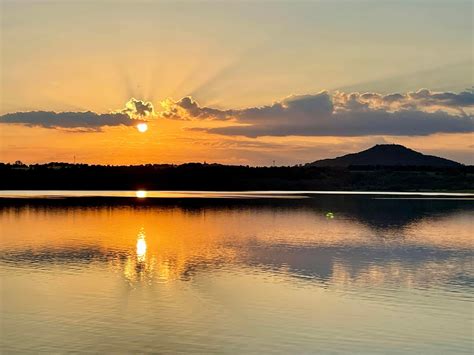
x=387, y=155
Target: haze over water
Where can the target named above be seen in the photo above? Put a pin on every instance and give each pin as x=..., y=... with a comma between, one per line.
x=335, y=273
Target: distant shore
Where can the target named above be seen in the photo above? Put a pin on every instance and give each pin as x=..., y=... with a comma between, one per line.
x=216, y=177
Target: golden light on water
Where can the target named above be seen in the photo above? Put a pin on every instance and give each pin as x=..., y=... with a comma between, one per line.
x=141, y=246
x=140, y=193
x=142, y=127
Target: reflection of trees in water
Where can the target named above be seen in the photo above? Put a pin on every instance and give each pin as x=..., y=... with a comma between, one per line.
x=377, y=212
x=392, y=213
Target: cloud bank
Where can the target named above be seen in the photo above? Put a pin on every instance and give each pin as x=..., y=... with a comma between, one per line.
x=339, y=114
x=76, y=121
x=135, y=111
x=417, y=113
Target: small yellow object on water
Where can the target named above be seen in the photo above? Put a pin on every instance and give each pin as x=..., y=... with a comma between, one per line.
x=330, y=215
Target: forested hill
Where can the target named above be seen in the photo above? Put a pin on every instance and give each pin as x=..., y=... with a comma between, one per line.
x=387, y=155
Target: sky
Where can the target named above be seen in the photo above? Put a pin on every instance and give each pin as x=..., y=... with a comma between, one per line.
x=235, y=82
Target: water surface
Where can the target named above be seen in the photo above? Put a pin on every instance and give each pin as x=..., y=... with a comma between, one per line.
x=324, y=273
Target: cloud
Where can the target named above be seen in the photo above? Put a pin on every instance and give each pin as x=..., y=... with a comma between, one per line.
x=138, y=109
x=135, y=111
x=416, y=113
x=423, y=99
x=339, y=114
x=188, y=109
x=76, y=121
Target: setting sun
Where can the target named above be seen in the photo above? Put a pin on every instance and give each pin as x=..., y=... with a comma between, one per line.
x=142, y=127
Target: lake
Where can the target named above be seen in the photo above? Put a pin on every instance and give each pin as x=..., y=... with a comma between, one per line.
x=228, y=272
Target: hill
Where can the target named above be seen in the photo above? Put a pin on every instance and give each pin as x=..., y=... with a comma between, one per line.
x=386, y=155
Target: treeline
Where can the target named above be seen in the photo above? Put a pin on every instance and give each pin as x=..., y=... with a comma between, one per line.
x=195, y=176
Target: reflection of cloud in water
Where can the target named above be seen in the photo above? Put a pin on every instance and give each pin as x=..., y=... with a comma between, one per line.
x=397, y=274
x=334, y=266
x=405, y=266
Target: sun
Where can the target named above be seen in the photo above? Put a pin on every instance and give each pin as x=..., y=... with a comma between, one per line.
x=142, y=127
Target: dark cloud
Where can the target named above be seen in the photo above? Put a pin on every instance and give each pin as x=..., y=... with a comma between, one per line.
x=77, y=121
x=340, y=114
x=423, y=99
x=187, y=109
x=372, y=122
x=392, y=97
x=448, y=99
x=138, y=108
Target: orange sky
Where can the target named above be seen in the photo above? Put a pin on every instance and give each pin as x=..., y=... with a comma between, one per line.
x=170, y=142
x=76, y=57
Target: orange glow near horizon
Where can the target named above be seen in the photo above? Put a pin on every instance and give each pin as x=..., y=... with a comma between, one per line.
x=175, y=142
x=178, y=141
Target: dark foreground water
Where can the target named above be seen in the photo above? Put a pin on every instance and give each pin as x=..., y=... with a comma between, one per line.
x=325, y=274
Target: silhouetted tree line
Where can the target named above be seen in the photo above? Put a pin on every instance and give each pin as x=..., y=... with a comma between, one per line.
x=196, y=176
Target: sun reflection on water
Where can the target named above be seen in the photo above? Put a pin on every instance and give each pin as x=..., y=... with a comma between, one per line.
x=137, y=267
x=145, y=263
x=141, y=246
x=141, y=193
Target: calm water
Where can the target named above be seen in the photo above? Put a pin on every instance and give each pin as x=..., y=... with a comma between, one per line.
x=324, y=274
